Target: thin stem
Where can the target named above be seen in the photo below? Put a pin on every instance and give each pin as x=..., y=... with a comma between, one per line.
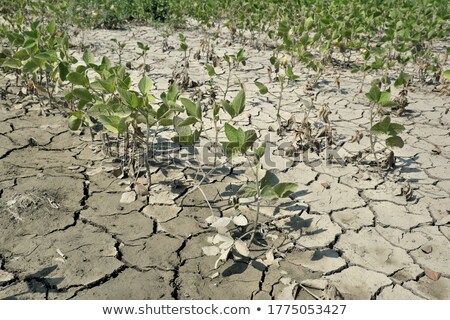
x=280, y=97
x=228, y=81
x=258, y=205
x=147, y=166
x=372, y=140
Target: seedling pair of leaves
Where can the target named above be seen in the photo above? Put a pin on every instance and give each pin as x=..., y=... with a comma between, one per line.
x=188, y=134
x=385, y=126
x=270, y=187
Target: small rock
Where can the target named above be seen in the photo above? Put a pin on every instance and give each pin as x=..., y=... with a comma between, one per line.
x=128, y=197
x=325, y=185
x=141, y=189
x=426, y=248
x=433, y=275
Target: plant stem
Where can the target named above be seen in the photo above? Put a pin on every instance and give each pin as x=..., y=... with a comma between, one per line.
x=147, y=166
x=258, y=205
x=228, y=81
x=280, y=97
x=372, y=141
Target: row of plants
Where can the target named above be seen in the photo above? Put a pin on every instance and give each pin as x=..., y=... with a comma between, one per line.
x=131, y=116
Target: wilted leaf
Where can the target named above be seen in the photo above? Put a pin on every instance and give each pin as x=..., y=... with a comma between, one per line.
x=241, y=247
x=211, y=219
x=221, y=222
x=223, y=257
x=210, y=251
x=240, y=220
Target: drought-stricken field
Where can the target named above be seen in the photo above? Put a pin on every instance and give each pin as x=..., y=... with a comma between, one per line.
x=338, y=215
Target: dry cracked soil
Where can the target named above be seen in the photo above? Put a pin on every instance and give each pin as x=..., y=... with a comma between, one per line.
x=71, y=229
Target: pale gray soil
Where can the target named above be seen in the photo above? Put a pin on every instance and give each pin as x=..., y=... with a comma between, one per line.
x=66, y=234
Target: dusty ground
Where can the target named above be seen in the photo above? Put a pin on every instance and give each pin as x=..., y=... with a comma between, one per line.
x=66, y=232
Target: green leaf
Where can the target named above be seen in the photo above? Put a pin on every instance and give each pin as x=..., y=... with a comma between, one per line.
x=125, y=96
x=402, y=80
x=188, y=121
x=240, y=56
x=113, y=123
x=395, y=129
x=145, y=84
x=211, y=71
x=75, y=121
x=172, y=94
x=30, y=67
x=259, y=152
x=395, y=141
x=447, y=74
x=247, y=191
x=270, y=179
x=238, y=103
x=46, y=56
x=165, y=122
x=268, y=192
x=262, y=88
x=374, y=94
x=231, y=132
x=381, y=127
x=192, y=109
x=21, y=55
x=290, y=74
x=64, y=70
x=88, y=57
x=309, y=22
x=78, y=79
x=229, y=109
x=83, y=94
x=250, y=137
x=385, y=99
x=51, y=27
x=12, y=63
x=231, y=148
x=284, y=189
x=108, y=84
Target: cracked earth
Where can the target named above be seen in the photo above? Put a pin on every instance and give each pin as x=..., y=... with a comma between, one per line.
x=71, y=229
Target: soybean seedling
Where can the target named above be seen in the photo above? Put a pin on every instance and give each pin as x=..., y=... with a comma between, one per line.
x=379, y=100
x=120, y=47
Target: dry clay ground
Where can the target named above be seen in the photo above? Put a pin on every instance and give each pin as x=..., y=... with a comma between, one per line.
x=67, y=231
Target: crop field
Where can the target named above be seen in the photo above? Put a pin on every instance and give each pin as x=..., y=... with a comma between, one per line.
x=202, y=149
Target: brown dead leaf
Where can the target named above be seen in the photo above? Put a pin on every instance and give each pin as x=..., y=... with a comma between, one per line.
x=433, y=275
